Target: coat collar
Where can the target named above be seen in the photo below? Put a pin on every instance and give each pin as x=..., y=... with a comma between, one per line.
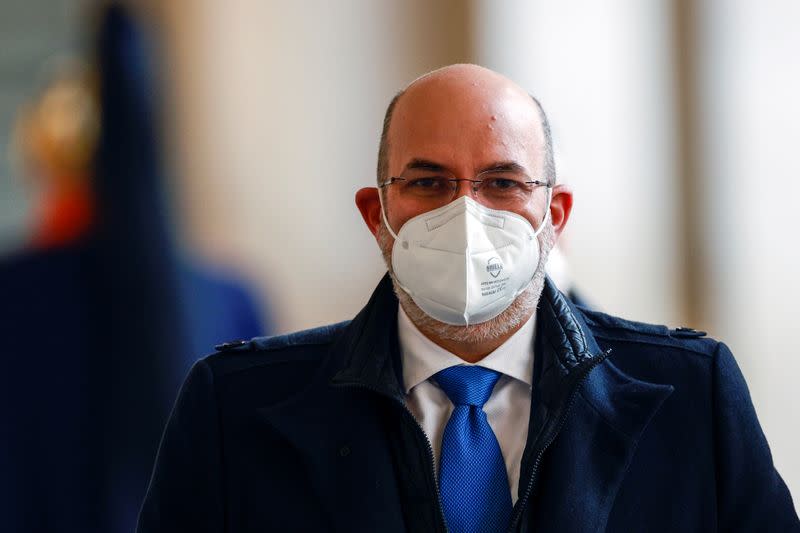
x=609, y=412
x=370, y=357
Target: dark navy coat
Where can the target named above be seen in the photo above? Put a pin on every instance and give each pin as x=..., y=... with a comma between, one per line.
x=634, y=428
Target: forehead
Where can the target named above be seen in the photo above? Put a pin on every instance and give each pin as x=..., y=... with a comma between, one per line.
x=466, y=123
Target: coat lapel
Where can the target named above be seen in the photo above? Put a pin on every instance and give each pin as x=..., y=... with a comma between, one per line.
x=335, y=424
x=584, y=468
x=582, y=471
x=346, y=456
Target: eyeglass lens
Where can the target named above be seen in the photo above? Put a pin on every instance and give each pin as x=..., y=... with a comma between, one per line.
x=494, y=188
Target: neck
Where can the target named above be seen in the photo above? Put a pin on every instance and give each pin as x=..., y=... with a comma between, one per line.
x=470, y=350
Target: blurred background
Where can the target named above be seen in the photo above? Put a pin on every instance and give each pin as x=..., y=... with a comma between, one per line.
x=177, y=174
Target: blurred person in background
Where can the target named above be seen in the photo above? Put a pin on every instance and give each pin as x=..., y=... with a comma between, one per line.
x=55, y=138
x=101, y=314
x=469, y=395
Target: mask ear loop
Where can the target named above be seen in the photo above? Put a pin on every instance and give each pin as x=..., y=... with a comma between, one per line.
x=393, y=234
x=383, y=214
x=546, y=211
x=539, y=230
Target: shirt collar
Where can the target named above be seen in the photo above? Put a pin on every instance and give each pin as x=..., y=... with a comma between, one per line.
x=422, y=358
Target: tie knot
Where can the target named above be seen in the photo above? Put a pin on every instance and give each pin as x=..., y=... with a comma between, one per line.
x=467, y=385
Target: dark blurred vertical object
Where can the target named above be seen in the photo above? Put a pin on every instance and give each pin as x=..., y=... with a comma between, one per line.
x=98, y=330
x=49, y=440
x=137, y=288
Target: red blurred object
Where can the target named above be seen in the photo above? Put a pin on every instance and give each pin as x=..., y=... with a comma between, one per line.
x=63, y=216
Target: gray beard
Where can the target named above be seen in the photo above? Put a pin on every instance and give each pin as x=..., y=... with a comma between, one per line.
x=520, y=310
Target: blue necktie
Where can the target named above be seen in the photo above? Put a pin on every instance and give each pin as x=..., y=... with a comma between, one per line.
x=472, y=474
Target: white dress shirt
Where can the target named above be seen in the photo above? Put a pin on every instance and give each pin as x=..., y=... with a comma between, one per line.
x=507, y=409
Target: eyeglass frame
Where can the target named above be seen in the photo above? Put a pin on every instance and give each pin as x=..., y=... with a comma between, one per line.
x=394, y=179
x=476, y=183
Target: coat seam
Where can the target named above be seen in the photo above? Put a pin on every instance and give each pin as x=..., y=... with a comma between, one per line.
x=262, y=364
x=653, y=343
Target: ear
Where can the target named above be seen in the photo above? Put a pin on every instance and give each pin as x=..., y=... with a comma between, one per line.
x=560, y=207
x=369, y=205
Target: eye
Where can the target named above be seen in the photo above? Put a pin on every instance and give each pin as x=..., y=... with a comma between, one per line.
x=501, y=184
x=427, y=183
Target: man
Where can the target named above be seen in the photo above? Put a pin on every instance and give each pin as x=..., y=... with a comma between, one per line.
x=469, y=394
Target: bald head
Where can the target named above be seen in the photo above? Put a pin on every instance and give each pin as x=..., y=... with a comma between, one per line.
x=467, y=107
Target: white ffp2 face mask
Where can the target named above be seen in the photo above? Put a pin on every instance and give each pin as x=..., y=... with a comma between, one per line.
x=465, y=263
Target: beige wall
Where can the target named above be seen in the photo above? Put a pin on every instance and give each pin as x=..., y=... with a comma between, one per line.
x=603, y=76
x=278, y=109
x=748, y=88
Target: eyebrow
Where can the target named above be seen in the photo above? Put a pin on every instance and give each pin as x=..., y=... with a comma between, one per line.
x=504, y=166
x=424, y=164
x=497, y=166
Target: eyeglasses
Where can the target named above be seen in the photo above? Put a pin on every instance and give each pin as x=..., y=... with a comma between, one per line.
x=494, y=188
